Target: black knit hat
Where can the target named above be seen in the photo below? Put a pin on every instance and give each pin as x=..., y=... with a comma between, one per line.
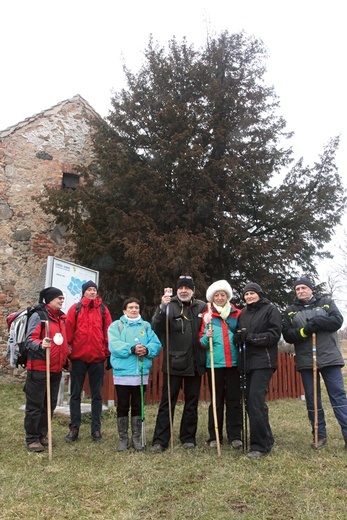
x=185, y=281
x=251, y=286
x=304, y=281
x=87, y=285
x=48, y=294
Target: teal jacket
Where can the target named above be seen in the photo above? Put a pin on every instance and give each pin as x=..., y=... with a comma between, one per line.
x=225, y=354
x=124, y=334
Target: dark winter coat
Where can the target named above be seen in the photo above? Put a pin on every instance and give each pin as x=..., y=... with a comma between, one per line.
x=262, y=321
x=35, y=334
x=325, y=319
x=87, y=331
x=186, y=357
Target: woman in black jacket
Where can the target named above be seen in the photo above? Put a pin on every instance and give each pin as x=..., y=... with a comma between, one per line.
x=259, y=330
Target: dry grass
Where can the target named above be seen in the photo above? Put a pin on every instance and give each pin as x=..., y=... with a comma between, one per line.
x=91, y=480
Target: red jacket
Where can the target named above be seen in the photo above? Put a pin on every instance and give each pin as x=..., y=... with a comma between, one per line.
x=87, y=332
x=35, y=335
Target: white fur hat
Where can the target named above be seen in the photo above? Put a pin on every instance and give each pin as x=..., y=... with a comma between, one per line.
x=220, y=285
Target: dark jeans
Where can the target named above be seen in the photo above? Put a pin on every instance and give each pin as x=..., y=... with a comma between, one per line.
x=78, y=373
x=189, y=421
x=257, y=382
x=227, y=383
x=35, y=388
x=125, y=395
x=334, y=384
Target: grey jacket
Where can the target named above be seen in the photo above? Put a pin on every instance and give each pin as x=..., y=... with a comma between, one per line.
x=326, y=319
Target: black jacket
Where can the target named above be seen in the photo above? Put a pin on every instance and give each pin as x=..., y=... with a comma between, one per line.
x=263, y=322
x=325, y=319
x=187, y=358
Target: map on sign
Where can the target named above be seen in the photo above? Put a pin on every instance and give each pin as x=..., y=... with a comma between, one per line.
x=69, y=278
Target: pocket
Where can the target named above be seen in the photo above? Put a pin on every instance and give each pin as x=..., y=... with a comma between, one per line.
x=178, y=360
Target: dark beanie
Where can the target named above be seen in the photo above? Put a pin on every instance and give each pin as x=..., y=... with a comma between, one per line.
x=186, y=281
x=87, y=285
x=251, y=286
x=304, y=281
x=48, y=294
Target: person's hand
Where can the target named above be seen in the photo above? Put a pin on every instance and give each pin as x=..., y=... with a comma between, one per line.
x=310, y=327
x=240, y=337
x=165, y=299
x=46, y=343
x=140, y=350
x=209, y=332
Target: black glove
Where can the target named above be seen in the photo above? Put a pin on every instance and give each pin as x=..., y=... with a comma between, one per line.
x=108, y=363
x=310, y=327
x=240, y=337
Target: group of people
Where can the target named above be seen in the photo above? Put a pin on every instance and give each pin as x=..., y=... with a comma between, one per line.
x=237, y=348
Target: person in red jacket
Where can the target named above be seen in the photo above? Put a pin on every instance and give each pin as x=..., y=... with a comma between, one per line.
x=86, y=325
x=39, y=337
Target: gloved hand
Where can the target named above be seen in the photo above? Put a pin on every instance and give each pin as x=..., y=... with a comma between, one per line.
x=108, y=363
x=310, y=327
x=240, y=337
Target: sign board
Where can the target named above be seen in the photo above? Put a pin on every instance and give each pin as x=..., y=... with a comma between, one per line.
x=69, y=278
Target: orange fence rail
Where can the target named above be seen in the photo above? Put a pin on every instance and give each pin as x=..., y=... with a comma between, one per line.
x=285, y=383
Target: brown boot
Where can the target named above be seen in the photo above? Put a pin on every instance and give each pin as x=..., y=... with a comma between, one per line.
x=35, y=447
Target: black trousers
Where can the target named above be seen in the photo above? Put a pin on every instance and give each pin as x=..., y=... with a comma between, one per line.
x=78, y=373
x=189, y=421
x=227, y=383
x=257, y=381
x=129, y=396
x=35, y=388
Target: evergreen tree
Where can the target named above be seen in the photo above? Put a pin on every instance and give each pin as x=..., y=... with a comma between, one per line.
x=188, y=180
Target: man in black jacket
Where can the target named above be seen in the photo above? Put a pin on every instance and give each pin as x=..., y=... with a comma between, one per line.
x=313, y=313
x=187, y=362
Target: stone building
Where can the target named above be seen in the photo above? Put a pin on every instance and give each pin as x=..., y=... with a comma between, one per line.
x=41, y=150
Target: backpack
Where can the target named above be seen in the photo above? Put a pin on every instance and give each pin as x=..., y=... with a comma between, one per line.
x=17, y=324
x=102, y=309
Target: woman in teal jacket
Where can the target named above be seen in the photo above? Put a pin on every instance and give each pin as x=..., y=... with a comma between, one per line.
x=227, y=378
x=132, y=344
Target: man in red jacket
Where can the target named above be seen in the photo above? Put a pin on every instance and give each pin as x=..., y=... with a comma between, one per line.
x=41, y=336
x=86, y=326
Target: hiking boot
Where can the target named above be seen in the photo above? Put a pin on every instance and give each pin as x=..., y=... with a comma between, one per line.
x=136, y=427
x=157, y=448
x=212, y=444
x=236, y=444
x=72, y=435
x=44, y=441
x=321, y=442
x=96, y=436
x=191, y=445
x=35, y=447
x=123, y=423
x=256, y=455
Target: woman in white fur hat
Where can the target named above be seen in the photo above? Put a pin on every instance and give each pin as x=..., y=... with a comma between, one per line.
x=223, y=316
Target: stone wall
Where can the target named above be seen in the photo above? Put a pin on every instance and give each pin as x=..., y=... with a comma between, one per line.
x=33, y=154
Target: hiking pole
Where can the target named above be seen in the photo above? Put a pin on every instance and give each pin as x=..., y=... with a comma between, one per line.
x=143, y=425
x=168, y=376
x=315, y=397
x=213, y=381
x=48, y=393
x=243, y=383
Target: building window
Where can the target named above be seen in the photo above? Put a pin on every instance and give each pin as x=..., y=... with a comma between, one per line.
x=70, y=181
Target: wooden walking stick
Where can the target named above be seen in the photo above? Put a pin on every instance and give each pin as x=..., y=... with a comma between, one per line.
x=48, y=394
x=315, y=397
x=169, y=293
x=213, y=382
x=143, y=424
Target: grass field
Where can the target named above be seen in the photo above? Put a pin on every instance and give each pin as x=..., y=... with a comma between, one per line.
x=91, y=480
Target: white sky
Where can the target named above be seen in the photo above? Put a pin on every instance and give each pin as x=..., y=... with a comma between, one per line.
x=52, y=50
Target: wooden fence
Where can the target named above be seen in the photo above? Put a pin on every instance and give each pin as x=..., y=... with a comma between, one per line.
x=285, y=383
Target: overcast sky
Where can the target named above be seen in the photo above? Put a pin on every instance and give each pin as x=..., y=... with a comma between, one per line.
x=51, y=51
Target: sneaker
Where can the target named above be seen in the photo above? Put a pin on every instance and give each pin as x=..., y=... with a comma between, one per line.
x=72, y=435
x=256, y=455
x=190, y=445
x=236, y=444
x=96, y=436
x=157, y=448
x=321, y=442
x=35, y=447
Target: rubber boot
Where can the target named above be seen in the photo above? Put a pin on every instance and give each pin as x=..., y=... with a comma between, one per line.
x=123, y=423
x=136, y=430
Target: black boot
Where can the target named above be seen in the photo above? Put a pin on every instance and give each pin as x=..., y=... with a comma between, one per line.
x=73, y=434
x=136, y=424
x=123, y=423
